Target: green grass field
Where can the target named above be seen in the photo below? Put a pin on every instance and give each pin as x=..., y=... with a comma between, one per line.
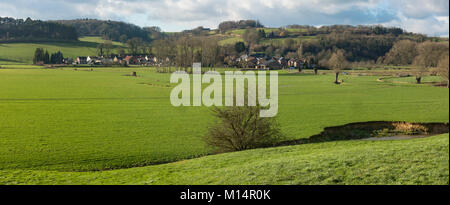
x=418, y=161
x=22, y=53
x=55, y=122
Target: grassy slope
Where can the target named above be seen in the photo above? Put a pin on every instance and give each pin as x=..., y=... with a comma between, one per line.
x=418, y=161
x=78, y=120
x=22, y=53
x=96, y=39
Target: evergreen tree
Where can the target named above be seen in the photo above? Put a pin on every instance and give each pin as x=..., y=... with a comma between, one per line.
x=46, y=58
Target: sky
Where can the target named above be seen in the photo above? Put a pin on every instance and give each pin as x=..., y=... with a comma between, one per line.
x=429, y=17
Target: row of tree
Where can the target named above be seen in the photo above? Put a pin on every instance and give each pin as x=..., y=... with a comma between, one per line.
x=424, y=58
x=185, y=50
x=42, y=56
x=360, y=29
x=19, y=30
x=359, y=47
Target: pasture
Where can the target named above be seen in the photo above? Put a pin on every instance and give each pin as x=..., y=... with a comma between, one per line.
x=410, y=162
x=22, y=53
x=56, y=122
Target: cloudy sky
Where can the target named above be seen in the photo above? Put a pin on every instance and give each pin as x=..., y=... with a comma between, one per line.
x=429, y=17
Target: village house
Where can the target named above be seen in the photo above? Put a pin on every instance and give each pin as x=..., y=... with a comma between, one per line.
x=131, y=60
x=68, y=61
x=283, y=62
x=296, y=63
x=261, y=63
x=252, y=62
x=94, y=60
x=81, y=60
x=143, y=60
x=118, y=60
x=272, y=64
x=243, y=58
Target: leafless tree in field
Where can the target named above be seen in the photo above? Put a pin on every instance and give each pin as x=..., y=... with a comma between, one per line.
x=337, y=63
x=402, y=53
x=428, y=56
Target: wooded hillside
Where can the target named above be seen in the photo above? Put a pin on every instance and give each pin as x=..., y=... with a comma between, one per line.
x=19, y=30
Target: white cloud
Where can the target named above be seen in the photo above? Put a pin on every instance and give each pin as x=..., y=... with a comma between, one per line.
x=426, y=17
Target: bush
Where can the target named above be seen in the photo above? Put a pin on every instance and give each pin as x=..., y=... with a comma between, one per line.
x=410, y=129
x=241, y=128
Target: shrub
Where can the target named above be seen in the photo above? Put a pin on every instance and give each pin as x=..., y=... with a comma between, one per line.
x=410, y=129
x=241, y=128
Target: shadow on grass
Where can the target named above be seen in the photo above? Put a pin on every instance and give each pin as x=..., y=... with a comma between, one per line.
x=363, y=130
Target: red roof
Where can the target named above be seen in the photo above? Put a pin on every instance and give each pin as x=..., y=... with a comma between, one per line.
x=128, y=58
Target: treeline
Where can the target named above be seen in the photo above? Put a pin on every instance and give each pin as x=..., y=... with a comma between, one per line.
x=42, y=56
x=111, y=30
x=361, y=29
x=19, y=30
x=424, y=57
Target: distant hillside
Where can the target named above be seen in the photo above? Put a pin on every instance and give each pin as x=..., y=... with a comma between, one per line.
x=22, y=53
x=361, y=43
x=19, y=30
x=112, y=30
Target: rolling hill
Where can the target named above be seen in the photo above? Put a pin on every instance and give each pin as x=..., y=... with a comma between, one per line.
x=22, y=53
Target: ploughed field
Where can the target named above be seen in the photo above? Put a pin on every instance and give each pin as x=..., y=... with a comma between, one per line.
x=57, y=122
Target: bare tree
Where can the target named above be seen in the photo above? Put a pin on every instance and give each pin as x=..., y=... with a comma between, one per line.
x=134, y=45
x=107, y=46
x=442, y=68
x=402, y=53
x=251, y=37
x=300, y=53
x=337, y=63
x=185, y=52
x=210, y=52
x=428, y=56
x=100, y=49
